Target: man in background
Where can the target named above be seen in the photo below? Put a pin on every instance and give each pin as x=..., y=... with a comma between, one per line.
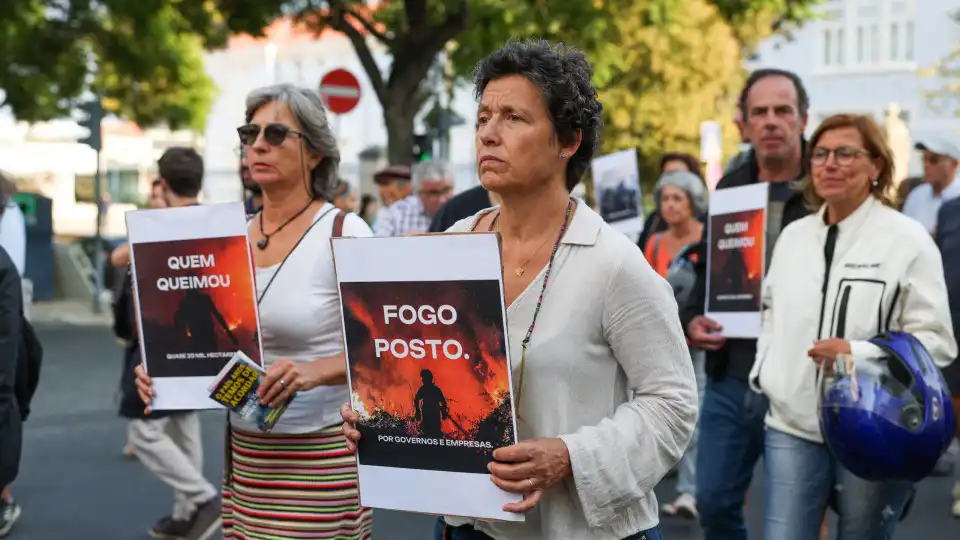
x=432, y=187
x=463, y=206
x=252, y=194
x=940, y=160
x=393, y=184
x=947, y=236
x=168, y=443
x=774, y=107
x=11, y=309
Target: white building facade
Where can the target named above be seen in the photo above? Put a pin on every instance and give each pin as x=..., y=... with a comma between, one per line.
x=864, y=55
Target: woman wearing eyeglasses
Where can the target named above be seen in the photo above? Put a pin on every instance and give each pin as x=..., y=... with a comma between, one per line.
x=299, y=480
x=854, y=269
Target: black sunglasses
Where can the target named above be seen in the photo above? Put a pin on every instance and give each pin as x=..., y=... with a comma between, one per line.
x=274, y=134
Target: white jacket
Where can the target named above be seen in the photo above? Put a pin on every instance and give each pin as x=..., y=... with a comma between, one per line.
x=886, y=275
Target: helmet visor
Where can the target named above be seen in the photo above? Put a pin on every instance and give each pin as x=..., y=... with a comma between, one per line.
x=878, y=388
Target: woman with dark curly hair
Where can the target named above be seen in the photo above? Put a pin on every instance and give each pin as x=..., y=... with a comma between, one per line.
x=604, y=387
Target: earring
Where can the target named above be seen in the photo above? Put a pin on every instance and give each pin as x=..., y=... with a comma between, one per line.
x=875, y=183
x=563, y=155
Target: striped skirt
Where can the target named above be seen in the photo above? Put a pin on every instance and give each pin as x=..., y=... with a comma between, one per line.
x=293, y=486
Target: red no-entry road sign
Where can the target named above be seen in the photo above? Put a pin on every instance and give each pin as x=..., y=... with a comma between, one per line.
x=340, y=90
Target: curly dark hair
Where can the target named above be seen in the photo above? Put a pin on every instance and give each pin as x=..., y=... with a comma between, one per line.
x=562, y=74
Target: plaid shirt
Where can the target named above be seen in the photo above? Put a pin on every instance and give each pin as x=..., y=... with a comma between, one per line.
x=404, y=217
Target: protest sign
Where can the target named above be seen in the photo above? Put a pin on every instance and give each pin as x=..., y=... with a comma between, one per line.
x=429, y=370
x=195, y=298
x=616, y=184
x=736, y=258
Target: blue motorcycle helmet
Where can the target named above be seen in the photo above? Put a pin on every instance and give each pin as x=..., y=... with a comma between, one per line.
x=887, y=418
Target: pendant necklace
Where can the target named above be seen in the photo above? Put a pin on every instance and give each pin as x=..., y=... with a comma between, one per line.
x=265, y=241
x=520, y=269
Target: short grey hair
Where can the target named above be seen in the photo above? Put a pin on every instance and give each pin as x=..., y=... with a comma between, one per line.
x=306, y=106
x=431, y=170
x=690, y=183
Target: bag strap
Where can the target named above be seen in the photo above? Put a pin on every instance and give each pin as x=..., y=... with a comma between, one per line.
x=656, y=248
x=338, y=224
x=294, y=248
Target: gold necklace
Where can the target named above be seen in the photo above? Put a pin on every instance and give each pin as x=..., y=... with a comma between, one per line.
x=520, y=269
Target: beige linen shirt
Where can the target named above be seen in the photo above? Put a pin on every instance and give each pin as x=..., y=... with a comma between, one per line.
x=607, y=371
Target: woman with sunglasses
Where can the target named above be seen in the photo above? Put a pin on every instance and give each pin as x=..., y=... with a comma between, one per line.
x=298, y=480
x=603, y=383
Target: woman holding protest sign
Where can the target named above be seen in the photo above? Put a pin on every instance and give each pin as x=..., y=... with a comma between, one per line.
x=608, y=399
x=298, y=480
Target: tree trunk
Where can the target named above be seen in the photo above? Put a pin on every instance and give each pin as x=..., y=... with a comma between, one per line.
x=398, y=116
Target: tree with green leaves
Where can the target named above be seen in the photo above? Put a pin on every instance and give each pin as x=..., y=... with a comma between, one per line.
x=661, y=67
x=945, y=98
x=144, y=58
x=149, y=64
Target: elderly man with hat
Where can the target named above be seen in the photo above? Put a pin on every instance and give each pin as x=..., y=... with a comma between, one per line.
x=940, y=160
x=393, y=184
x=431, y=186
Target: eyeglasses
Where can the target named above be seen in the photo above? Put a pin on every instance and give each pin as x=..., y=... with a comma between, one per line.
x=274, y=134
x=844, y=155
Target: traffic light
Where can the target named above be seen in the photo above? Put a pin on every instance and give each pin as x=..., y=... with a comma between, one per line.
x=93, y=112
x=422, y=148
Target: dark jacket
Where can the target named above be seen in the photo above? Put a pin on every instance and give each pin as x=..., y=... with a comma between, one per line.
x=947, y=236
x=11, y=335
x=125, y=328
x=737, y=355
x=462, y=205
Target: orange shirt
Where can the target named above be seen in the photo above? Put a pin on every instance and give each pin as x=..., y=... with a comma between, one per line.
x=657, y=255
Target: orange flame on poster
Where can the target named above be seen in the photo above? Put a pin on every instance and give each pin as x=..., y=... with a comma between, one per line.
x=474, y=385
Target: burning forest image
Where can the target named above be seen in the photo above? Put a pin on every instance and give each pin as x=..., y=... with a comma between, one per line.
x=429, y=373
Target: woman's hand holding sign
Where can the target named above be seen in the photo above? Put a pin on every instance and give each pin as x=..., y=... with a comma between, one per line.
x=350, y=431
x=530, y=467
x=144, y=387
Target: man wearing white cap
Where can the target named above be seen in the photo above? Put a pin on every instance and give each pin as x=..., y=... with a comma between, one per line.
x=940, y=160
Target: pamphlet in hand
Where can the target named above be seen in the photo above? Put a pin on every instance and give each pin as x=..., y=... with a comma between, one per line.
x=194, y=296
x=236, y=389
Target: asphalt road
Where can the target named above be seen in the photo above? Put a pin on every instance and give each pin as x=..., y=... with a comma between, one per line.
x=75, y=483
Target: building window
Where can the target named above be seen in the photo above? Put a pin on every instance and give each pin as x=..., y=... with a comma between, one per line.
x=83, y=188
x=832, y=36
x=894, y=41
x=861, y=46
x=878, y=33
x=908, y=42
x=123, y=185
x=827, y=46
x=840, y=47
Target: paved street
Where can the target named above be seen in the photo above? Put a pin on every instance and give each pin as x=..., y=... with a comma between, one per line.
x=76, y=484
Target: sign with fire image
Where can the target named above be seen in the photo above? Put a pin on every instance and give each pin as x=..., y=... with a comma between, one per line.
x=429, y=370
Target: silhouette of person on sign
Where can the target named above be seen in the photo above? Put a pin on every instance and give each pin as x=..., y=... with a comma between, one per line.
x=430, y=406
x=735, y=272
x=194, y=319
